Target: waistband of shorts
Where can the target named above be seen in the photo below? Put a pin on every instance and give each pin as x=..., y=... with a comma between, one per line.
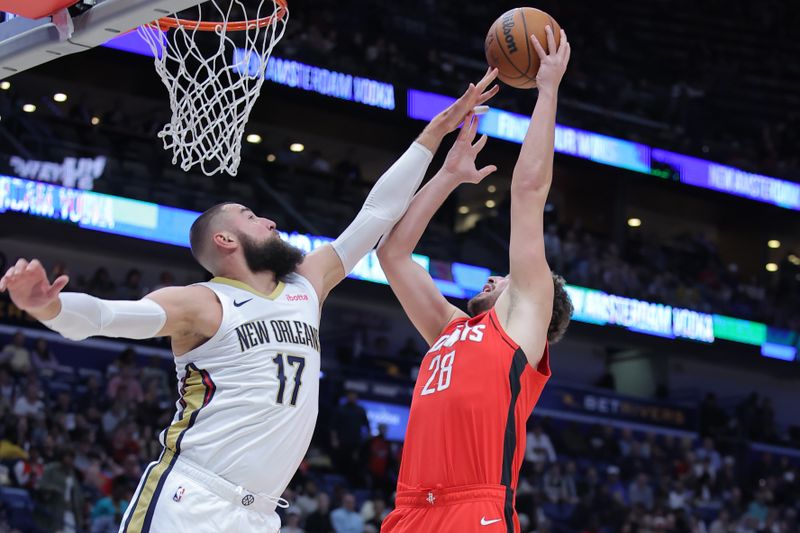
x=449, y=495
x=223, y=488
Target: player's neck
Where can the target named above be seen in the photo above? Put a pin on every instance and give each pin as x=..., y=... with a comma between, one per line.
x=264, y=282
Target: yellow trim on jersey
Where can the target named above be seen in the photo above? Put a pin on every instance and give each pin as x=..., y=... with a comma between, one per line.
x=147, y=494
x=244, y=286
x=193, y=392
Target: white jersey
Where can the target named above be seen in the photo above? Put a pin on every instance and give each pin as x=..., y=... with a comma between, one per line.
x=249, y=395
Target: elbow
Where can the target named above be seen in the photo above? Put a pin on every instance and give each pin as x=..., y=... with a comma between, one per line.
x=389, y=249
x=387, y=254
x=530, y=188
x=531, y=179
x=390, y=261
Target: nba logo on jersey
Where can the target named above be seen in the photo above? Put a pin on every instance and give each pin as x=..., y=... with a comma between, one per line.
x=178, y=496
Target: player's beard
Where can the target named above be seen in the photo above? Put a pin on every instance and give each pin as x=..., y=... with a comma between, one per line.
x=273, y=255
x=482, y=302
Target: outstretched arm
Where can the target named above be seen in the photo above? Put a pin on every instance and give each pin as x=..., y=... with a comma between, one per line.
x=327, y=266
x=182, y=313
x=525, y=307
x=425, y=306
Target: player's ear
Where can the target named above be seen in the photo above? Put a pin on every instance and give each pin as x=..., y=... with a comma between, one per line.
x=226, y=240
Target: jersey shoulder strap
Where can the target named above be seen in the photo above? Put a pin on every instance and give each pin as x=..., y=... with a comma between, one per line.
x=493, y=322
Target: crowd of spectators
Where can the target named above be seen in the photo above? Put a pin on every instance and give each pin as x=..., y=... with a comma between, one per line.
x=80, y=449
x=78, y=444
x=686, y=271
x=656, y=72
x=653, y=72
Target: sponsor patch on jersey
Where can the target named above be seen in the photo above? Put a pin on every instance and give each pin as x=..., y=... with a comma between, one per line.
x=297, y=297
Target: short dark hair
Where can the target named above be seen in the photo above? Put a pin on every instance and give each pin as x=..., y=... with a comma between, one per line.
x=562, y=311
x=198, y=233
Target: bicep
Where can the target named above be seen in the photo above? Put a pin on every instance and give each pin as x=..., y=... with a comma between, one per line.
x=193, y=309
x=324, y=269
x=424, y=305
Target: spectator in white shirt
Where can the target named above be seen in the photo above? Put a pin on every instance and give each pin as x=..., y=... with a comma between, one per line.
x=307, y=501
x=292, y=524
x=679, y=497
x=30, y=404
x=539, y=448
x=16, y=355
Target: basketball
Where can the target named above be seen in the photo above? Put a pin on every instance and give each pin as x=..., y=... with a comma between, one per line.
x=509, y=49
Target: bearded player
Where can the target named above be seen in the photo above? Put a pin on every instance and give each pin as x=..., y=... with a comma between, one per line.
x=484, y=372
x=246, y=349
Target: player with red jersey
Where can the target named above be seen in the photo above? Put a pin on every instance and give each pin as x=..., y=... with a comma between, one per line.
x=484, y=372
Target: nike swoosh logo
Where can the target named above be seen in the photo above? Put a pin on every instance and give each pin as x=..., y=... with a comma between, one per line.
x=485, y=522
x=239, y=304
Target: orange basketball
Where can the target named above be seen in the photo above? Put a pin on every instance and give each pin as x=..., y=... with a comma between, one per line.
x=508, y=46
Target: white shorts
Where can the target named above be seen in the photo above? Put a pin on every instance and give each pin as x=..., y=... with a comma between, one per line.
x=175, y=496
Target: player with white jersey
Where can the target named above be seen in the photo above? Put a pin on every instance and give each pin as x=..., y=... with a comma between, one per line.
x=264, y=356
x=246, y=347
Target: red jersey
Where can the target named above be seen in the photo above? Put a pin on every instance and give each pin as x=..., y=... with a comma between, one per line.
x=473, y=396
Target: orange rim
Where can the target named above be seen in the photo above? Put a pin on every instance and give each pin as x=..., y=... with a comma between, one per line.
x=167, y=23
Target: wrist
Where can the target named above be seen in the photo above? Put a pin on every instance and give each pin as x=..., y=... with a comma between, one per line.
x=547, y=92
x=46, y=312
x=448, y=178
x=437, y=127
x=434, y=130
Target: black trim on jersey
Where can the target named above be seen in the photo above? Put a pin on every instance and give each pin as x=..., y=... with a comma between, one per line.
x=508, y=510
x=501, y=331
x=518, y=363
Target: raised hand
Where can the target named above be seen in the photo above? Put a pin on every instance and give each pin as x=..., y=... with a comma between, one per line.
x=475, y=95
x=28, y=286
x=460, y=161
x=554, y=64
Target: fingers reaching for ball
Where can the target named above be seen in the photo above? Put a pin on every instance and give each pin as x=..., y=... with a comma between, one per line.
x=554, y=61
x=561, y=49
x=488, y=78
x=551, y=39
x=470, y=102
x=538, y=47
x=482, y=95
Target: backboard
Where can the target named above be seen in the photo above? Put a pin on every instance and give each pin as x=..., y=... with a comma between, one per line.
x=45, y=30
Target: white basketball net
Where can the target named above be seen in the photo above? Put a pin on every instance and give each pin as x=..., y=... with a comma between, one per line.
x=212, y=87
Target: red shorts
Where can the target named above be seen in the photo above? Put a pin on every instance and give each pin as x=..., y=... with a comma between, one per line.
x=467, y=509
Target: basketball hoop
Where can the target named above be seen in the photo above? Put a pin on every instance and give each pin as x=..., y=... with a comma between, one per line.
x=213, y=71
